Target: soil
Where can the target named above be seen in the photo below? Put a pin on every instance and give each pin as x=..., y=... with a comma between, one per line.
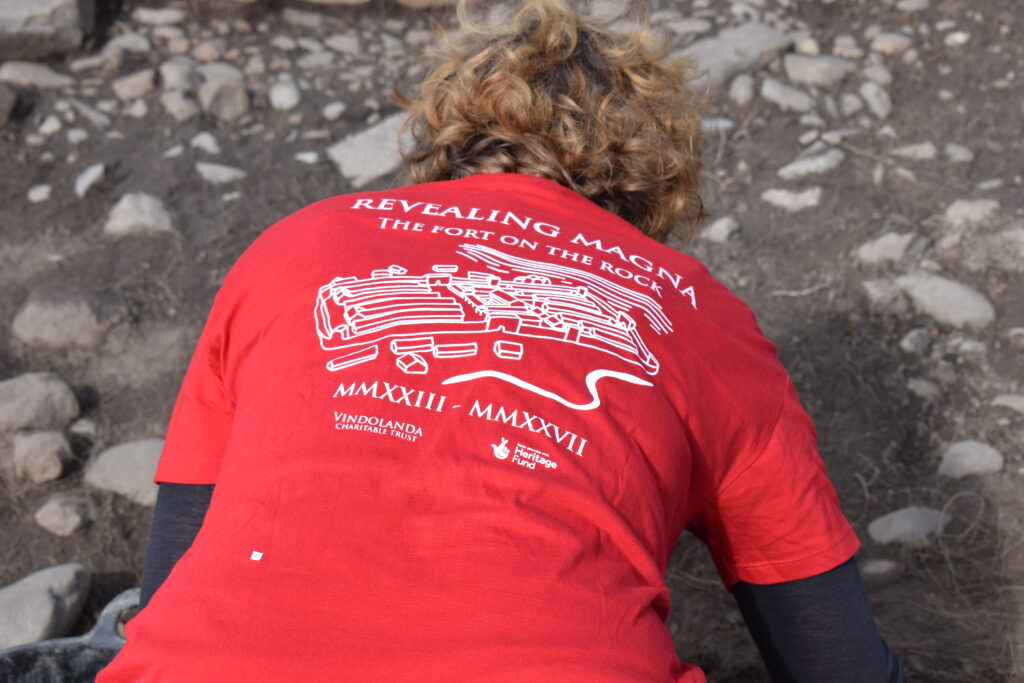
x=952, y=610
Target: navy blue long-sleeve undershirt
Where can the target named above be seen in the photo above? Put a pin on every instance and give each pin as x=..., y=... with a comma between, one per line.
x=818, y=629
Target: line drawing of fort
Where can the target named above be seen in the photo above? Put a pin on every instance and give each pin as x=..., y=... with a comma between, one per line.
x=436, y=315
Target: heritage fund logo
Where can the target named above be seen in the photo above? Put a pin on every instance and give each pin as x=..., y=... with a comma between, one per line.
x=524, y=456
x=501, y=451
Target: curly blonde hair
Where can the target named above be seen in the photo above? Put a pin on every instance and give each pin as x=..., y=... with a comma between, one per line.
x=560, y=95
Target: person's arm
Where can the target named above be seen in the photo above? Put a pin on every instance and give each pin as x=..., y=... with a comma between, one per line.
x=818, y=629
x=179, y=512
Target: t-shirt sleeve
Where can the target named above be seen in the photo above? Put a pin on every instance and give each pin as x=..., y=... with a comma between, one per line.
x=203, y=413
x=778, y=518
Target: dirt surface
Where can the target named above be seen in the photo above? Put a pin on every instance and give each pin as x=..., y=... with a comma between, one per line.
x=951, y=609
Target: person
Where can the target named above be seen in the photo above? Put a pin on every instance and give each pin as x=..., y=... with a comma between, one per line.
x=453, y=430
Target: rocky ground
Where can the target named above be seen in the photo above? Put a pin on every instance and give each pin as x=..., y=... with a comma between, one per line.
x=863, y=171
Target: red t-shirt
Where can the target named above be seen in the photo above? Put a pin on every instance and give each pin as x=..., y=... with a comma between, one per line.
x=456, y=430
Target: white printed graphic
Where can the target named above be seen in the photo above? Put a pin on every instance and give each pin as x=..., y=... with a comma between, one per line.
x=418, y=316
x=501, y=450
x=592, y=377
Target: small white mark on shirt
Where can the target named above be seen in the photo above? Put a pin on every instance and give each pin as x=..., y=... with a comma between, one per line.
x=256, y=556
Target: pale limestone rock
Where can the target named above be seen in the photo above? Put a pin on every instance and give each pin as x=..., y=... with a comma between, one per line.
x=965, y=458
x=812, y=165
x=40, y=456
x=219, y=174
x=127, y=469
x=138, y=213
x=793, y=201
x=735, y=50
x=36, y=400
x=948, y=301
x=913, y=526
x=891, y=246
x=42, y=605
x=811, y=70
x=786, y=96
x=371, y=153
x=32, y=75
x=966, y=213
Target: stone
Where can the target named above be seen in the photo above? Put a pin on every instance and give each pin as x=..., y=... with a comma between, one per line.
x=720, y=230
x=285, y=43
x=793, y=201
x=42, y=605
x=137, y=109
x=916, y=342
x=219, y=174
x=94, y=116
x=878, y=73
x=43, y=28
x=60, y=315
x=947, y=301
x=223, y=93
x=811, y=70
x=1011, y=401
x=127, y=469
x=50, y=125
x=958, y=154
x=920, y=151
x=688, y=27
x=968, y=213
x=316, y=61
x=924, y=388
x=138, y=213
x=255, y=66
x=179, y=105
x=84, y=427
x=8, y=103
x=371, y=153
x=716, y=124
x=912, y=5
x=891, y=246
x=846, y=46
x=735, y=50
x=415, y=4
x=158, y=16
x=956, y=38
x=39, y=193
x=206, y=142
x=807, y=137
x=180, y=73
x=741, y=91
x=284, y=95
x=884, y=296
x=879, y=568
x=965, y=458
x=134, y=85
x=785, y=96
x=36, y=400
x=1004, y=250
x=812, y=165
x=40, y=456
x=32, y=75
x=209, y=50
x=77, y=135
x=891, y=43
x=332, y=111
x=63, y=515
x=850, y=104
x=877, y=99
x=135, y=43
x=310, y=44
x=308, y=157
x=913, y=526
